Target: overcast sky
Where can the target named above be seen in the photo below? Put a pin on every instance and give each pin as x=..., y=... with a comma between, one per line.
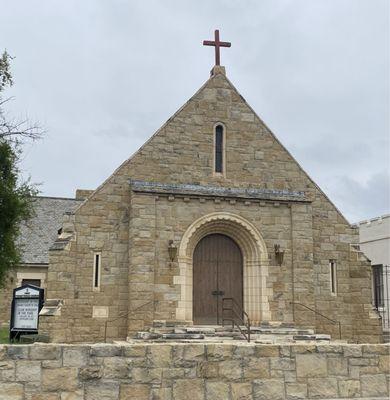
x=102, y=76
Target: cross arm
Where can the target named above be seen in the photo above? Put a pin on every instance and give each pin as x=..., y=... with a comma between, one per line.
x=212, y=43
x=225, y=44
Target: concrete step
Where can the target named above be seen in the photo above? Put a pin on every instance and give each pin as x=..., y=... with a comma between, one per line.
x=222, y=331
x=280, y=331
x=172, y=324
x=314, y=337
x=261, y=334
x=182, y=336
x=196, y=330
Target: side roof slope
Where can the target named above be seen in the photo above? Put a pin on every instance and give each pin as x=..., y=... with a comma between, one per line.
x=39, y=232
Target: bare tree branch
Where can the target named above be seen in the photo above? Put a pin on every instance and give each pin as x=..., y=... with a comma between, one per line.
x=14, y=130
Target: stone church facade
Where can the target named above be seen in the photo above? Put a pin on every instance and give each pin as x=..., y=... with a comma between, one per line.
x=212, y=185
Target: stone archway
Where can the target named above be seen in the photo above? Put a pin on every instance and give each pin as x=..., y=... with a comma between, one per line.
x=255, y=263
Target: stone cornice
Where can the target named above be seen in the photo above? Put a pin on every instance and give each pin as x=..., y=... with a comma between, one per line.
x=216, y=191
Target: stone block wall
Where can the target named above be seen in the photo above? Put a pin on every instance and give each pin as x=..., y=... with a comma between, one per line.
x=6, y=298
x=70, y=277
x=132, y=231
x=194, y=372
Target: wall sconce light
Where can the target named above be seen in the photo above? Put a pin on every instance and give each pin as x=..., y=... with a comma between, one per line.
x=279, y=255
x=172, y=251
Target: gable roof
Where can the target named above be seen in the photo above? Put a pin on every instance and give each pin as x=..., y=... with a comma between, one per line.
x=39, y=232
x=216, y=72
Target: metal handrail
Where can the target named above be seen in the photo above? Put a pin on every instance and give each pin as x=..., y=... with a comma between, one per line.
x=239, y=317
x=334, y=321
x=234, y=301
x=240, y=308
x=246, y=335
x=121, y=316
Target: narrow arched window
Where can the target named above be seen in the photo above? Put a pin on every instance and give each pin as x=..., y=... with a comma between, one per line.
x=219, y=147
x=333, y=277
x=96, y=271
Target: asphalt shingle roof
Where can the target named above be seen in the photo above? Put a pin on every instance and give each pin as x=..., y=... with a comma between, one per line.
x=39, y=232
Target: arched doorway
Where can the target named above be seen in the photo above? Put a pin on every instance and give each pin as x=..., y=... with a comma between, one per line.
x=217, y=273
x=256, y=293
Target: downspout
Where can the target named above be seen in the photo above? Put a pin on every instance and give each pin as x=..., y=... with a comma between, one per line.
x=292, y=262
x=156, y=198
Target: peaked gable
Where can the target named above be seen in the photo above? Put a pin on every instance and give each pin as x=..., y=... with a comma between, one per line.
x=182, y=150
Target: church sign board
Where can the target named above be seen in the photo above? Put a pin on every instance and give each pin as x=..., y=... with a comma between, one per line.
x=27, y=301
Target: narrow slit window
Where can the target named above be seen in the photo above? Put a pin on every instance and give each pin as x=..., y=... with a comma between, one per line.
x=377, y=275
x=96, y=270
x=219, y=149
x=333, y=277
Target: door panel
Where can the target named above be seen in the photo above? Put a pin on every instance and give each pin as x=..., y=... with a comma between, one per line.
x=230, y=271
x=204, y=282
x=217, y=267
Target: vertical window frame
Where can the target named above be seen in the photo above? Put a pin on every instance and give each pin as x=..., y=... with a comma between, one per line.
x=97, y=271
x=223, y=150
x=378, y=286
x=333, y=277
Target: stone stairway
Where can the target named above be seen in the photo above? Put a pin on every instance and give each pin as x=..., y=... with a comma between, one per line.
x=266, y=333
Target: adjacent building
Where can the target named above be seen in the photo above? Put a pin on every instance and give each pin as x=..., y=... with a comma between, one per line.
x=37, y=235
x=374, y=240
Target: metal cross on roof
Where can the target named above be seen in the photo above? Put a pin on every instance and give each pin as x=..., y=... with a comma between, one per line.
x=217, y=44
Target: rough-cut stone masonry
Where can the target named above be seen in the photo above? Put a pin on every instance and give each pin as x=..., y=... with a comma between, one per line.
x=131, y=228
x=193, y=371
x=6, y=299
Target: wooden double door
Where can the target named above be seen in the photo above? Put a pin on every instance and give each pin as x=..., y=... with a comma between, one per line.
x=217, y=273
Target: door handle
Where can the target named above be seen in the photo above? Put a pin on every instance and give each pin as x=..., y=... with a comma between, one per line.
x=217, y=293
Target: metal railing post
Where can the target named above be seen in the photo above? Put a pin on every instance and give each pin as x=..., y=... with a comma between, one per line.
x=239, y=316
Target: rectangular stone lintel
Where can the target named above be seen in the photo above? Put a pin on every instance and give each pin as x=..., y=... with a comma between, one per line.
x=216, y=191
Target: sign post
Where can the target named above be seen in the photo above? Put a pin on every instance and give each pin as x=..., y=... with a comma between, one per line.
x=27, y=302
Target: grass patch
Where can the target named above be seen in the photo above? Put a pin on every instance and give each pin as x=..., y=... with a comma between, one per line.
x=4, y=335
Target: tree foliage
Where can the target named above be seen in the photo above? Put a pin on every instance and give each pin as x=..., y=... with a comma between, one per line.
x=5, y=74
x=15, y=206
x=15, y=196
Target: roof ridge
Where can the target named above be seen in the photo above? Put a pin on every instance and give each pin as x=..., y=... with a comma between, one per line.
x=56, y=198
x=128, y=160
x=288, y=152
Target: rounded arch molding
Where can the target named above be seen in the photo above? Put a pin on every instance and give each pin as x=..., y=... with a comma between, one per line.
x=255, y=262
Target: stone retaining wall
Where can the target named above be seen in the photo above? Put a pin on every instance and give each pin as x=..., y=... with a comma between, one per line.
x=193, y=371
